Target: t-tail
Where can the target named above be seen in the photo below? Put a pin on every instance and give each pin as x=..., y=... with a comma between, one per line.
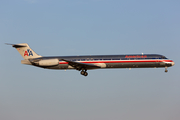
x=25, y=51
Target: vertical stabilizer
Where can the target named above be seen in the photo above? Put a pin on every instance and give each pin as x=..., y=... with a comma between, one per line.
x=25, y=51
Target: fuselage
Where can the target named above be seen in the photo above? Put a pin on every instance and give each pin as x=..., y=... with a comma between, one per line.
x=112, y=61
x=84, y=63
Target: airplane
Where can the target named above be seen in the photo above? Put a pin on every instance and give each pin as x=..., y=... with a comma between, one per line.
x=90, y=62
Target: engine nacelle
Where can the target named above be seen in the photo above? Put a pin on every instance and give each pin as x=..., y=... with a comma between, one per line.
x=49, y=62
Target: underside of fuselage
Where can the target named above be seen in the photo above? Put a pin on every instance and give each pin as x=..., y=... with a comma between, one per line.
x=116, y=65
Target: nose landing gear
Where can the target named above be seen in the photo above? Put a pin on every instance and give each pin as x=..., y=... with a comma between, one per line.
x=166, y=69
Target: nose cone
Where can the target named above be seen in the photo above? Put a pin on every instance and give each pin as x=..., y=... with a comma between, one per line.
x=172, y=63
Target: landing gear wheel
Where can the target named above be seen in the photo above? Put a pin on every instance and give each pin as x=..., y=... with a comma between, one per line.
x=85, y=74
x=82, y=72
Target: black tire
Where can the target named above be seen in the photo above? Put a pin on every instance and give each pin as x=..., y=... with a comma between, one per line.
x=85, y=74
x=82, y=72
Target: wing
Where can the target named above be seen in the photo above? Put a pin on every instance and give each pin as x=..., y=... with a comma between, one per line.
x=79, y=65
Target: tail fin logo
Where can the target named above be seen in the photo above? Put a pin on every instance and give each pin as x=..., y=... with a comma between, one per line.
x=28, y=53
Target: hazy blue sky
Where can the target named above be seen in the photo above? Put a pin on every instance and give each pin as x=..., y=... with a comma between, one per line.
x=87, y=27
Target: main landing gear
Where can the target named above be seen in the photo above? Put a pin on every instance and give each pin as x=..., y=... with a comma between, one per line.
x=83, y=72
x=166, y=69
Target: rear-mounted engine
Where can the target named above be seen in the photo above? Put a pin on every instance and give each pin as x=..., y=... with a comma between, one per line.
x=48, y=62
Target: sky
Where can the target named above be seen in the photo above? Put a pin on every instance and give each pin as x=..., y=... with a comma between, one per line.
x=89, y=27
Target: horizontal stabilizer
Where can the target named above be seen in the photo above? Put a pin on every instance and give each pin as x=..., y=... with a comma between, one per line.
x=16, y=45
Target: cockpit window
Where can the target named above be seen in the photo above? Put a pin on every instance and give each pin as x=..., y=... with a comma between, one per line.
x=163, y=57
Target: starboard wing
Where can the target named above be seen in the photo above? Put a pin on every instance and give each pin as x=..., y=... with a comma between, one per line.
x=80, y=65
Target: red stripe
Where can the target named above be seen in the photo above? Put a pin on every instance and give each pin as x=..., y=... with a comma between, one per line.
x=121, y=61
x=165, y=61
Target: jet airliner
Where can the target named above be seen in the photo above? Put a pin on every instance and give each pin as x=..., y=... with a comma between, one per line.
x=89, y=62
